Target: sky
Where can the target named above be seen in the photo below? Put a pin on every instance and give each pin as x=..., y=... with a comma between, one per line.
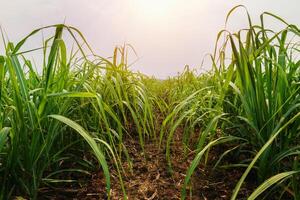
x=166, y=34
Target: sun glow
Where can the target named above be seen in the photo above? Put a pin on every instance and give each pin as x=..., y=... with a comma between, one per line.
x=153, y=9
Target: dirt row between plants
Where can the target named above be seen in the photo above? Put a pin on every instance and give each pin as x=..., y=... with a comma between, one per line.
x=150, y=179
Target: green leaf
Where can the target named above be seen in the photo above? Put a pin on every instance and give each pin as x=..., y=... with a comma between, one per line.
x=97, y=151
x=269, y=182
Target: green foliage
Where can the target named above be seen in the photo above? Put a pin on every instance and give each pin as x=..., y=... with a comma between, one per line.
x=97, y=98
x=82, y=102
x=256, y=96
x=263, y=100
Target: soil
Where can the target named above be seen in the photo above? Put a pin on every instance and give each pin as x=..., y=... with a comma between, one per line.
x=150, y=180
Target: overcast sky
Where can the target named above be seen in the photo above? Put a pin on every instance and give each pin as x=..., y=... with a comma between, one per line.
x=167, y=34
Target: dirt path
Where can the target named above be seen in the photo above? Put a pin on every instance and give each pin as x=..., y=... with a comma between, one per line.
x=151, y=181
